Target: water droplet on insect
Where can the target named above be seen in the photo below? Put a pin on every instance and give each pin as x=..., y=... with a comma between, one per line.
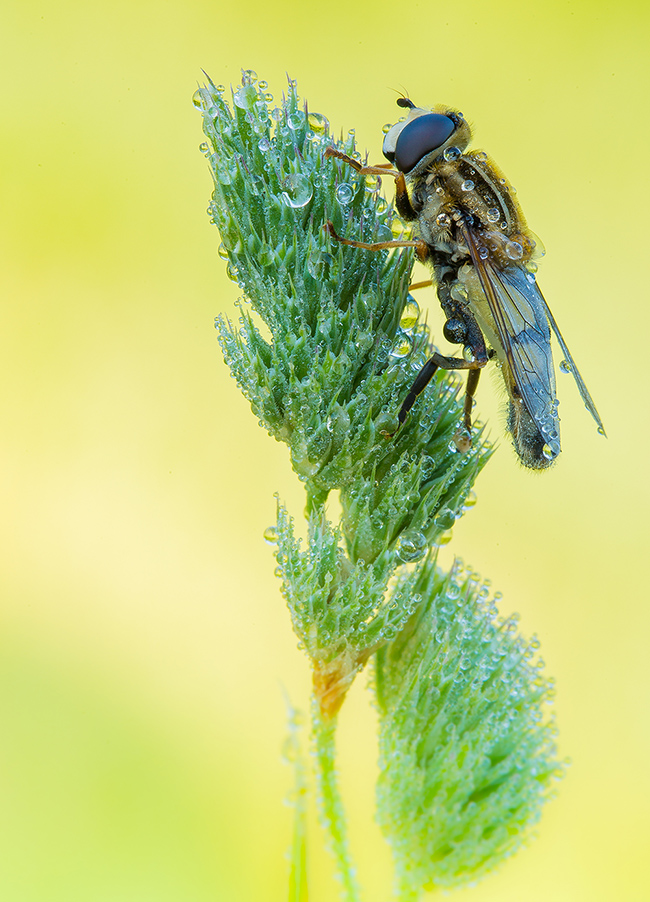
x=565, y=366
x=271, y=535
x=401, y=348
x=443, y=220
x=467, y=185
x=481, y=156
x=514, y=250
x=298, y=191
x=493, y=214
x=386, y=128
x=458, y=292
x=549, y=451
x=409, y=315
x=318, y=123
x=451, y=154
x=483, y=252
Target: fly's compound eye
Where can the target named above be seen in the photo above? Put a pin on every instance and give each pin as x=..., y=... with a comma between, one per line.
x=420, y=137
x=455, y=331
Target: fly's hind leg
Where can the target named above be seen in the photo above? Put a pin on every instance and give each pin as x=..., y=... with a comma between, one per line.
x=439, y=362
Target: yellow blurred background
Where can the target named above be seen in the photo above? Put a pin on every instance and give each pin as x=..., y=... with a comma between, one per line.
x=145, y=651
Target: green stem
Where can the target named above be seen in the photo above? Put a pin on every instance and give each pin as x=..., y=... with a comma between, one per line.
x=331, y=805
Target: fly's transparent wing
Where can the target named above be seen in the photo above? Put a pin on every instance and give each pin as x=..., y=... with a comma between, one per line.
x=570, y=363
x=520, y=318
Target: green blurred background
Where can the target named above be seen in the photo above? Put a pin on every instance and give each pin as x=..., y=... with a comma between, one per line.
x=145, y=650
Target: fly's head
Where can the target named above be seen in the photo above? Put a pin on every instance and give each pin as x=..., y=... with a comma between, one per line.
x=425, y=135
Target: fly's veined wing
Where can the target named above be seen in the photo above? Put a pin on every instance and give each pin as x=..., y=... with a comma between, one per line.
x=520, y=316
x=582, y=388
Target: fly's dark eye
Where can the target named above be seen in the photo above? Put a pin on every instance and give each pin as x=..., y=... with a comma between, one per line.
x=419, y=137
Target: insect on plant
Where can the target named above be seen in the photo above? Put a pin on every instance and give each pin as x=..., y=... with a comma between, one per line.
x=470, y=230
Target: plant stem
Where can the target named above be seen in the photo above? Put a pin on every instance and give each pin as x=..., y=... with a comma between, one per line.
x=331, y=806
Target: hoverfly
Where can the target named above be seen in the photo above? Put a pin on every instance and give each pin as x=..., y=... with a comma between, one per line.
x=470, y=229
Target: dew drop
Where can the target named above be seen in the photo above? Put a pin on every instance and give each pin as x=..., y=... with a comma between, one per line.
x=493, y=214
x=222, y=251
x=451, y=154
x=483, y=252
x=514, y=250
x=401, y=348
x=411, y=547
x=549, y=451
x=248, y=76
x=344, y=194
x=264, y=145
x=318, y=123
x=467, y=185
x=409, y=315
x=245, y=97
x=297, y=191
x=372, y=183
x=481, y=156
x=565, y=366
x=271, y=535
x=295, y=121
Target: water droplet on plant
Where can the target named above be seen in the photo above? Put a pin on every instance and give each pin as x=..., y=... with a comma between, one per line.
x=248, y=76
x=245, y=97
x=297, y=192
x=372, y=183
x=271, y=535
x=410, y=315
x=401, y=348
x=344, y=194
x=222, y=251
x=318, y=123
x=264, y=145
x=295, y=121
x=411, y=547
x=197, y=98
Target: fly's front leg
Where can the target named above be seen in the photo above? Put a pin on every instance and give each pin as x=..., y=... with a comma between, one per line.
x=419, y=245
x=382, y=169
